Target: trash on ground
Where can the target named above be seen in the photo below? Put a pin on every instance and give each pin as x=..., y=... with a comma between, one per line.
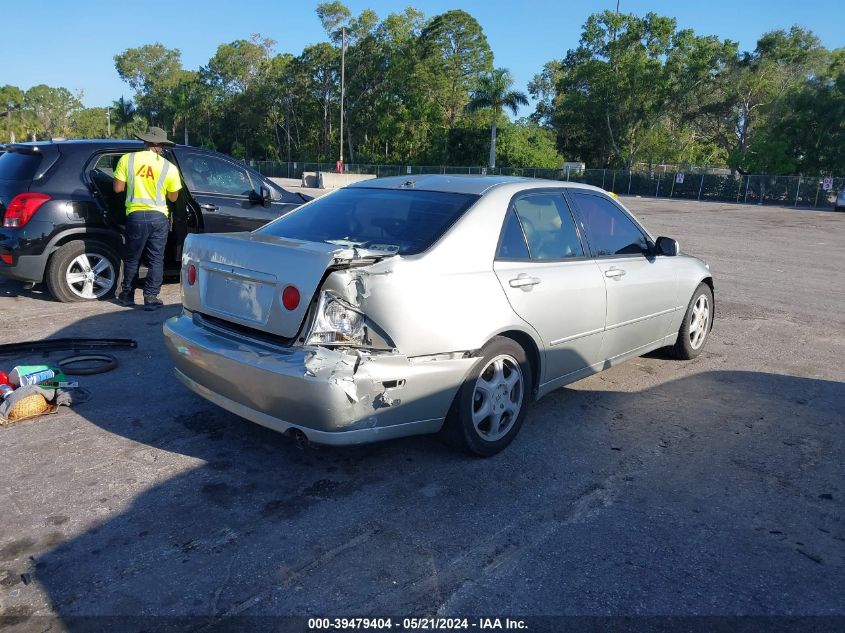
x=45, y=375
x=29, y=391
x=30, y=375
x=90, y=364
x=28, y=402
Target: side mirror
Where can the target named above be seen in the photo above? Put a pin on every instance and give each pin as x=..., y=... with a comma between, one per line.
x=667, y=246
x=264, y=194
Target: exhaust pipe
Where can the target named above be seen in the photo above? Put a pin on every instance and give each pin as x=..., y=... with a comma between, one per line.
x=298, y=436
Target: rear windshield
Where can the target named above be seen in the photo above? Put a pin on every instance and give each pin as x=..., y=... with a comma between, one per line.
x=16, y=166
x=406, y=219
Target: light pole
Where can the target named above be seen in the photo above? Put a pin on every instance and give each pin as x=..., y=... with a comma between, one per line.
x=342, y=87
x=108, y=120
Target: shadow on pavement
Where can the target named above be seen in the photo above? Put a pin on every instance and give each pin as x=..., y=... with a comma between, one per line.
x=719, y=492
x=12, y=288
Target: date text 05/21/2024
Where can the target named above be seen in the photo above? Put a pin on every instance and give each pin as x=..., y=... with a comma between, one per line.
x=415, y=624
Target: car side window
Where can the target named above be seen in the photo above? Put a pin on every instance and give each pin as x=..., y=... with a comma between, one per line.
x=213, y=175
x=101, y=171
x=105, y=164
x=512, y=244
x=548, y=226
x=609, y=230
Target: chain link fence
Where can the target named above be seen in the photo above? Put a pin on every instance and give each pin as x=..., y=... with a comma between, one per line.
x=793, y=191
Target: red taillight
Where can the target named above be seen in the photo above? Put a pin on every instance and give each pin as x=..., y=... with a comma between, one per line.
x=290, y=297
x=7, y=259
x=22, y=207
x=191, y=275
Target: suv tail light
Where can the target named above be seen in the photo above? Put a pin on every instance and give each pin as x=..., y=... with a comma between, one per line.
x=22, y=207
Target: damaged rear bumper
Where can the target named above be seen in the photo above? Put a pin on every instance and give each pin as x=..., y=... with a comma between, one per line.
x=333, y=397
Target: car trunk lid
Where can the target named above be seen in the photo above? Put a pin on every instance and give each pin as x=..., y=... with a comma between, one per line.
x=241, y=277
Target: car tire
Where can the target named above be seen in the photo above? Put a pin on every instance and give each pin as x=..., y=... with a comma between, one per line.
x=83, y=271
x=697, y=324
x=499, y=384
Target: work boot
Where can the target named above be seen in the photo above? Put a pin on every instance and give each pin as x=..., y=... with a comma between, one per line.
x=126, y=299
x=152, y=303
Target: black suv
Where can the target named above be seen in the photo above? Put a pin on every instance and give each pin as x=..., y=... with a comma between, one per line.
x=62, y=223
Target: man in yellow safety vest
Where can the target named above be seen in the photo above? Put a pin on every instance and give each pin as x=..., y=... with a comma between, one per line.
x=149, y=180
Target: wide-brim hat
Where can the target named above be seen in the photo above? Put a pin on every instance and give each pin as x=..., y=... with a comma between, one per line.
x=155, y=136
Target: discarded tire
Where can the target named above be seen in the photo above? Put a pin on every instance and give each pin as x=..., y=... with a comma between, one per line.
x=102, y=364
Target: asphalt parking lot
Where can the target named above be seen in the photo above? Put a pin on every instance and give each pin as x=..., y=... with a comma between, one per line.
x=660, y=487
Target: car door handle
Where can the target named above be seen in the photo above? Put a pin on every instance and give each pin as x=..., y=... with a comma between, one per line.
x=209, y=207
x=614, y=272
x=524, y=281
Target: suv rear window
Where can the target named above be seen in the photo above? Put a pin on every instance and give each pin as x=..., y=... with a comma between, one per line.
x=17, y=166
x=407, y=219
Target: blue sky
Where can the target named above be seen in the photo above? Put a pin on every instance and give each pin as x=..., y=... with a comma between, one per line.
x=72, y=44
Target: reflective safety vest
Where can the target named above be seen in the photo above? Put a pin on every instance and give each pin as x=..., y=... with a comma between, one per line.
x=149, y=177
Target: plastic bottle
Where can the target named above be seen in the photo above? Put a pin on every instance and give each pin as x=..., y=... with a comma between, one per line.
x=17, y=374
x=36, y=377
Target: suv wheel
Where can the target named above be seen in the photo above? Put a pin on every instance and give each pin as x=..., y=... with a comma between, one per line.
x=83, y=271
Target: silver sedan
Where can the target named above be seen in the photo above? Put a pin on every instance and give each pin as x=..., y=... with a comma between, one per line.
x=427, y=304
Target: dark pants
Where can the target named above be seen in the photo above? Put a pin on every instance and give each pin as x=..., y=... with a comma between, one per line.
x=146, y=233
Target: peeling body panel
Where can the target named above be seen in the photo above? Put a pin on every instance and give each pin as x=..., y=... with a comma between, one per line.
x=316, y=387
x=416, y=304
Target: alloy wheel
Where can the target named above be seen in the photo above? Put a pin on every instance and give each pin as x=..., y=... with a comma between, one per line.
x=90, y=276
x=699, y=322
x=497, y=398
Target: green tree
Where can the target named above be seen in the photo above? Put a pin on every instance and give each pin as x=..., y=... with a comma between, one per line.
x=318, y=78
x=526, y=144
x=807, y=136
x=53, y=110
x=11, y=108
x=183, y=101
x=627, y=75
x=152, y=71
x=455, y=51
x=494, y=92
x=126, y=117
x=335, y=16
x=760, y=83
x=238, y=65
x=90, y=123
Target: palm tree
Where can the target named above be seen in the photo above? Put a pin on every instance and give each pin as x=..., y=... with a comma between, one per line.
x=493, y=91
x=126, y=112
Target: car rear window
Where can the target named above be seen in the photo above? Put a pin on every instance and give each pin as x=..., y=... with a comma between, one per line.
x=17, y=166
x=406, y=219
